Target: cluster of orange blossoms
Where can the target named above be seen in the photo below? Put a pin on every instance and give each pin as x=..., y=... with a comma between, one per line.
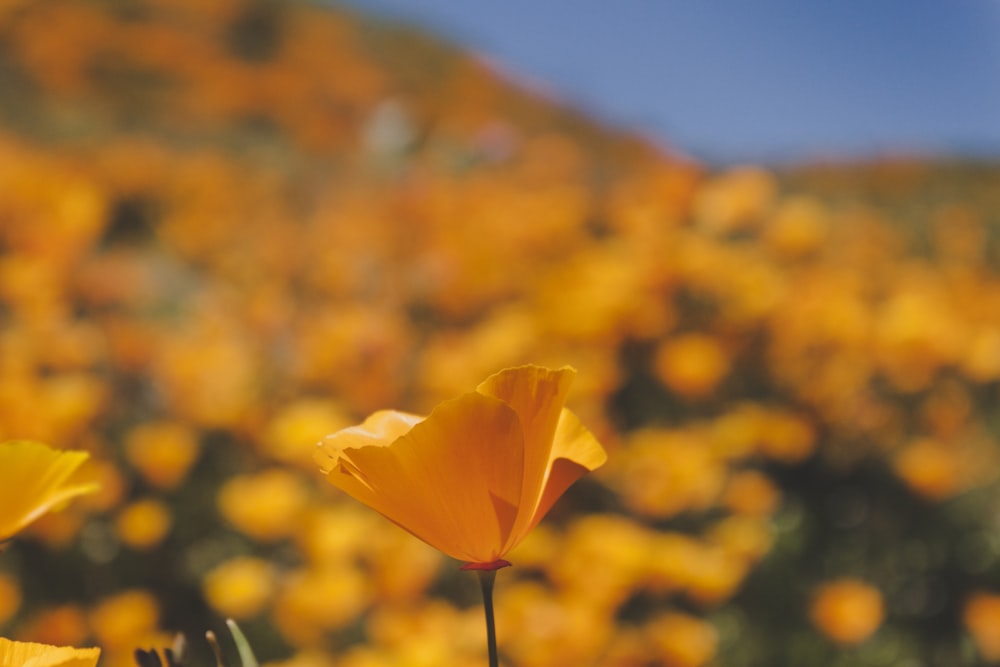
x=196, y=308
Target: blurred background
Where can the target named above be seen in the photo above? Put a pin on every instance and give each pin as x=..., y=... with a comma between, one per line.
x=230, y=228
x=725, y=82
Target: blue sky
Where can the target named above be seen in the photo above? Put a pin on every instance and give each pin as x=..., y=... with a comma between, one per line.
x=732, y=81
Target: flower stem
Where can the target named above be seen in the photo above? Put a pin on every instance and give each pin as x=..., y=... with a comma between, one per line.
x=486, y=578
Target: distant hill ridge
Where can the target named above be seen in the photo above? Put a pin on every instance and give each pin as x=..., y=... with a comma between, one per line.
x=301, y=76
x=309, y=79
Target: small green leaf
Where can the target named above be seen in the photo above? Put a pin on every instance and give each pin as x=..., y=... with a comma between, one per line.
x=242, y=645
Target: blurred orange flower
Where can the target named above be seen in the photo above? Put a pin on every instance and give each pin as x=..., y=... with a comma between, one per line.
x=64, y=624
x=477, y=474
x=163, y=452
x=681, y=640
x=144, y=524
x=29, y=654
x=847, y=610
x=10, y=597
x=34, y=479
x=239, y=588
x=265, y=505
x=125, y=619
x=981, y=615
x=691, y=365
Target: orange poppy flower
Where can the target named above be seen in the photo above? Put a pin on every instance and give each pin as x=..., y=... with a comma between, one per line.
x=478, y=473
x=847, y=610
x=34, y=479
x=30, y=654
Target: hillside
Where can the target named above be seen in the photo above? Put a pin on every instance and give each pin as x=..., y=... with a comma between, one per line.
x=230, y=228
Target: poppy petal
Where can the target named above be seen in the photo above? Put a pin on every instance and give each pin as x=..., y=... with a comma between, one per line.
x=575, y=452
x=381, y=429
x=537, y=396
x=34, y=479
x=43, y=655
x=453, y=479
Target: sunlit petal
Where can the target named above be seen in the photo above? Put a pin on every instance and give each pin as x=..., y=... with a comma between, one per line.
x=477, y=474
x=453, y=480
x=381, y=429
x=537, y=395
x=35, y=479
x=575, y=452
x=30, y=654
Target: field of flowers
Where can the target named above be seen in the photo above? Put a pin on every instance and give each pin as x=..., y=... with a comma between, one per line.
x=229, y=229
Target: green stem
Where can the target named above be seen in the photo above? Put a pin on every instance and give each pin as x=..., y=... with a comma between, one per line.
x=486, y=578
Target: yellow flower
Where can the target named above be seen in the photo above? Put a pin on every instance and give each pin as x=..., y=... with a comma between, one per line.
x=266, y=505
x=162, y=452
x=144, y=524
x=692, y=364
x=477, y=474
x=29, y=654
x=680, y=640
x=125, y=619
x=240, y=588
x=34, y=478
